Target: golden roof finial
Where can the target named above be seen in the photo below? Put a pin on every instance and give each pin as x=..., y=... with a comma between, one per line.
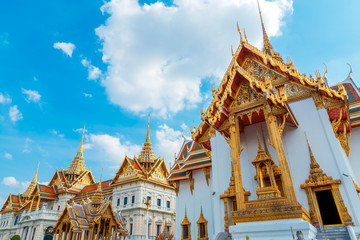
x=259, y=144
x=312, y=158
x=245, y=36
x=265, y=146
x=33, y=184
x=78, y=164
x=147, y=154
x=350, y=72
x=241, y=38
x=267, y=45
x=148, y=130
x=98, y=197
x=325, y=77
x=80, y=152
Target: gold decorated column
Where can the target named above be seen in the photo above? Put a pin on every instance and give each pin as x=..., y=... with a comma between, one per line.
x=275, y=132
x=235, y=155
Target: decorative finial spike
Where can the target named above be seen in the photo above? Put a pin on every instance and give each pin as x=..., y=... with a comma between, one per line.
x=312, y=158
x=267, y=45
x=148, y=129
x=265, y=146
x=241, y=38
x=232, y=52
x=259, y=144
x=245, y=36
x=350, y=71
x=80, y=152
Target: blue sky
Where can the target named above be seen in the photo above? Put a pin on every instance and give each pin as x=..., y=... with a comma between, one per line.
x=130, y=59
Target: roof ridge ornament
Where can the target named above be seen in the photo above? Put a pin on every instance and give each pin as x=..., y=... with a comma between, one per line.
x=350, y=71
x=147, y=153
x=78, y=166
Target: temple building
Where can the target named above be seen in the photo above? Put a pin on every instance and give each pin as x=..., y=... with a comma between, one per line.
x=275, y=156
x=144, y=179
x=73, y=204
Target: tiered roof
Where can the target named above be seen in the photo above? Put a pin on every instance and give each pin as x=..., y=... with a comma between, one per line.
x=146, y=167
x=192, y=156
x=78, y=164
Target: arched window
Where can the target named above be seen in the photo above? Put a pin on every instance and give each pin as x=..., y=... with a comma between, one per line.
x=185, y=228
x=202, y=227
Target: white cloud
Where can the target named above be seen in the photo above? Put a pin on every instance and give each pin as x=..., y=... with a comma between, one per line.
x=112, y=147
x=15, y=114
x=94, y=72
x=56, y=133
x=5, y=98
x=158, y=56
x=89, y=95
x=4, y=39
x=31, y=95
x=27, y=145
x=10, y=181
x=168, y=142
x=8, y=156
x=67, y=48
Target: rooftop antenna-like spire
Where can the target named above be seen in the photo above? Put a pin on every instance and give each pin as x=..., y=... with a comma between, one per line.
x=148, y=130
x=267, y=45
x=80, y=152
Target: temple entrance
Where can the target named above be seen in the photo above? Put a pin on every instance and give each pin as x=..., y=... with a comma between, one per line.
x=327, y=208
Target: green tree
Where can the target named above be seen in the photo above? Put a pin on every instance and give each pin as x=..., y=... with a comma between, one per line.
x=15, y=237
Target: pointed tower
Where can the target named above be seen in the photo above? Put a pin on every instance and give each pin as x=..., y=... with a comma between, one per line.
x=78, y=164
x=98, y=196
x=147, y=156
x=32, y=185
x=268, y=49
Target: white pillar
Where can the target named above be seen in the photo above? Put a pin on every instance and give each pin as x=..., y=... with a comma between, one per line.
x=29, y=233
x=147, y=226
x=21, y=232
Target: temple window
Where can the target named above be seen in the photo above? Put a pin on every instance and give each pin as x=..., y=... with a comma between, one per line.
x=168, y=204
x=185, y=228
x=202, y=227
x=133, y=199
x=159, y=202
x=125, y=200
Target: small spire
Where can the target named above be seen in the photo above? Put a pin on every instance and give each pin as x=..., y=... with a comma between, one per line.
x=148, y=130
x=33, y=184
x=312, y=158
x=267, y=45
x=78, y=164
x=265, y=146
x=350, y=71
x=98, y=197
x=80, y=152
x=36, y=173
x=259, y=144
x=147, y=154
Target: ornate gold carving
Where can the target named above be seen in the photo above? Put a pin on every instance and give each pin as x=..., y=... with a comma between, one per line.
x=247, y=95
x=191, y=183
x=185, y=224
x=295, y=92
x=343, y=137
x=263, y=73
x=275, y=132
x=202, y=227
x=319, y=179
x=356, y=186
x=264, y=166
x=207, y=175
x=275, y=212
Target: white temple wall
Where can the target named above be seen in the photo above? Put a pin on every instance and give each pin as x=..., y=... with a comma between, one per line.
x=192, y=203
x=220, y=179
x=326, y=149
x=354, y=155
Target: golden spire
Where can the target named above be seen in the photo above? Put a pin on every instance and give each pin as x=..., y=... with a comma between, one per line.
x=98, y=197
x=80, y=152
x=265, y=145
x=148, y=130
x=33, y=184
x=78, y=164
x=314, y=166
x=147, y=154
x=268, y=49
x=259, y=144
